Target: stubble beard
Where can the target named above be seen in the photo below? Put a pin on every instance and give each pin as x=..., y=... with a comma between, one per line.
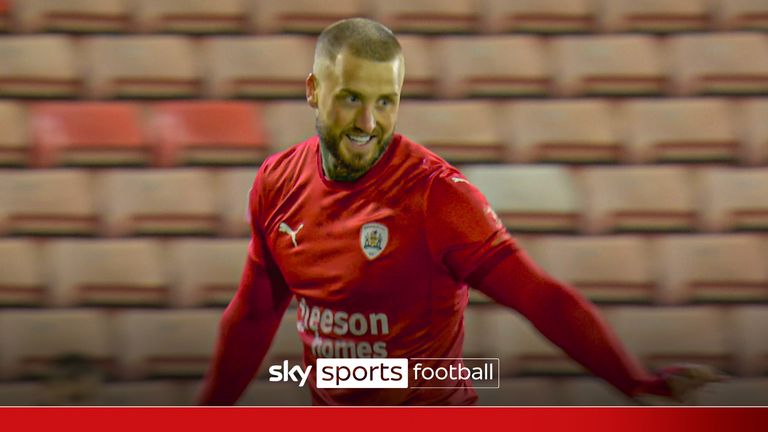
x=336, y=167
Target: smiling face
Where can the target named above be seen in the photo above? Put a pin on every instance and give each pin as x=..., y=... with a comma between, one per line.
x=356, y=102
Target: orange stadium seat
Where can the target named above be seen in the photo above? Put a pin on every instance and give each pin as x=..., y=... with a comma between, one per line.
x=22, y=282
x=529, y=198
x=428, y=16
x=639, y=199
x=127, y=272
x=604, y=268
x=14, y=139
x=5, y=15
x=492, y=66
x=234, y=186
x=43, y=66
x=35, y=342
x=734, y=199
x=165, y=343
x=170, y=202
x=665, y=336
x=719, y=63
x=160, y=66
x=208, y=133
x=288, y=122
x=303, y=16
x=711, y=268
x=742, y=14
x=749, y=324
x=88, y=133
x=198, y=17
x=680, y=130
x=461, y=131
x=78, y=16
x=540, y=16
x=258, y=67
x=608, y=65
x=754, y=130
x=569, y=131
x=421, y=77
x=657, y=16
x=206, y=272
x=47, y=202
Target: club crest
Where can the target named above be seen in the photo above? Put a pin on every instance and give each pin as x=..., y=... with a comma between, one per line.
x=373, y=239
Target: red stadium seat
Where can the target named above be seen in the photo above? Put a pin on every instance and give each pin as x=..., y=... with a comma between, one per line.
x=742, y=14
x=288, y=123
x=754, y=130
x=161, y=66
x=258, y=67
x=108, y=273
x=22, y=281
x=422, y=77
x=492, y=66
x=570, y=131
x=234, y=186
x=719, y=63
x=711, y=268
x=734, y=199
x=167, y=202
x=208, y=133
x=608, y=65
x=680, y=130
x=14, y=140
x=749, y=324
x=183, y=16
x=79, y=16
x=540, y=16
x=47, y=202
x=5, y=15
x=428, y=16
x=303, y=16
x=639, y=199
x=43, y=66
x=657, y=16
x=461, y=131
x=88, y=133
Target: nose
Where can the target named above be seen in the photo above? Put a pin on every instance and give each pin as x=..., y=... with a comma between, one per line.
x=365, y=120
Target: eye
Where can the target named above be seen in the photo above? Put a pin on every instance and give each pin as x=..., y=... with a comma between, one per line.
x=385, y=102
x=352, y=99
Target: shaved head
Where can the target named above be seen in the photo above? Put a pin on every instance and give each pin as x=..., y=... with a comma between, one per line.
x=360, y=37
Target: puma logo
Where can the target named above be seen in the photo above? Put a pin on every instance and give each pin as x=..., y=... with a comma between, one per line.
x=459, y=180
x=284, y=228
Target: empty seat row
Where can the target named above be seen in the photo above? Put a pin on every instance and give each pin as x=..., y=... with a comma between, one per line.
x=423, y=16
x=638, y=130
x=275, y=66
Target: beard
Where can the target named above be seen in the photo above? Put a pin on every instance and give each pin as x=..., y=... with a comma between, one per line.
x=349, y=166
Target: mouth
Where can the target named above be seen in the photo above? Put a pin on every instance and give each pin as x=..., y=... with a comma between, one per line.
x=360, y=140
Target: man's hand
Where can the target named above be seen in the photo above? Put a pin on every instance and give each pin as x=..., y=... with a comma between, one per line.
x=683, y=381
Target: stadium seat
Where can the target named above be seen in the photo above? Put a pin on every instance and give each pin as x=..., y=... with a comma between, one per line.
x=736, y=392
x=604, y=268
x=639, y=199
x=666, y=336
x=742, y=14
x=22, y=280
x=565, y=131
x=205, y=272
x=539, y=16
x=35, y=343
x=491, y=66
x=754, y=130
x=88, y=134
x=5, y=15
x=144, y=393
x=165, y=343
x=39, y=66
x=154, y=202
x=14, y=140
x=655, y=16
x=608, y=65
x=196, y=17
x=78, y=16
x=258, y=67
x=47, y=202
x=421, y=79
x=461, y=131
x=160, y=66
x=428, y=16
x=719, y=63
x=126, y=272
x=208, y=133
x=288, y=122
x=234, y=186
x=734, y=199
x=680, y=130
x=529, y=198
x=24, y=393
x=749, y=324
x=711, y=268
x=590, y=391
x=303, y=16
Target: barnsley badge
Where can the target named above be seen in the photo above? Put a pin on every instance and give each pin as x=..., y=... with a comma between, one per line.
x=373, y=239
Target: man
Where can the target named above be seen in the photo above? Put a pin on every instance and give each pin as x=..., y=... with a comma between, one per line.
x=378, y=239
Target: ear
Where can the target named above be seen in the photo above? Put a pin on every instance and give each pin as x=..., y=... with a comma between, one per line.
x=311, y=90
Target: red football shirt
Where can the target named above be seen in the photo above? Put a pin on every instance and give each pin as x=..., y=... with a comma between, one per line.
x=374, y=263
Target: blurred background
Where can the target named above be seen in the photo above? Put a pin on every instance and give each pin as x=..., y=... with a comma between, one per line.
x=624, y=143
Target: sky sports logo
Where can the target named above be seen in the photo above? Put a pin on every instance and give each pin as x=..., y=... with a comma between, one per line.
x=338, y=373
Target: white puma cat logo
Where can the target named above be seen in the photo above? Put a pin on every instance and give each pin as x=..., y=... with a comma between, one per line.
x=284, y=228
x=459, y=180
